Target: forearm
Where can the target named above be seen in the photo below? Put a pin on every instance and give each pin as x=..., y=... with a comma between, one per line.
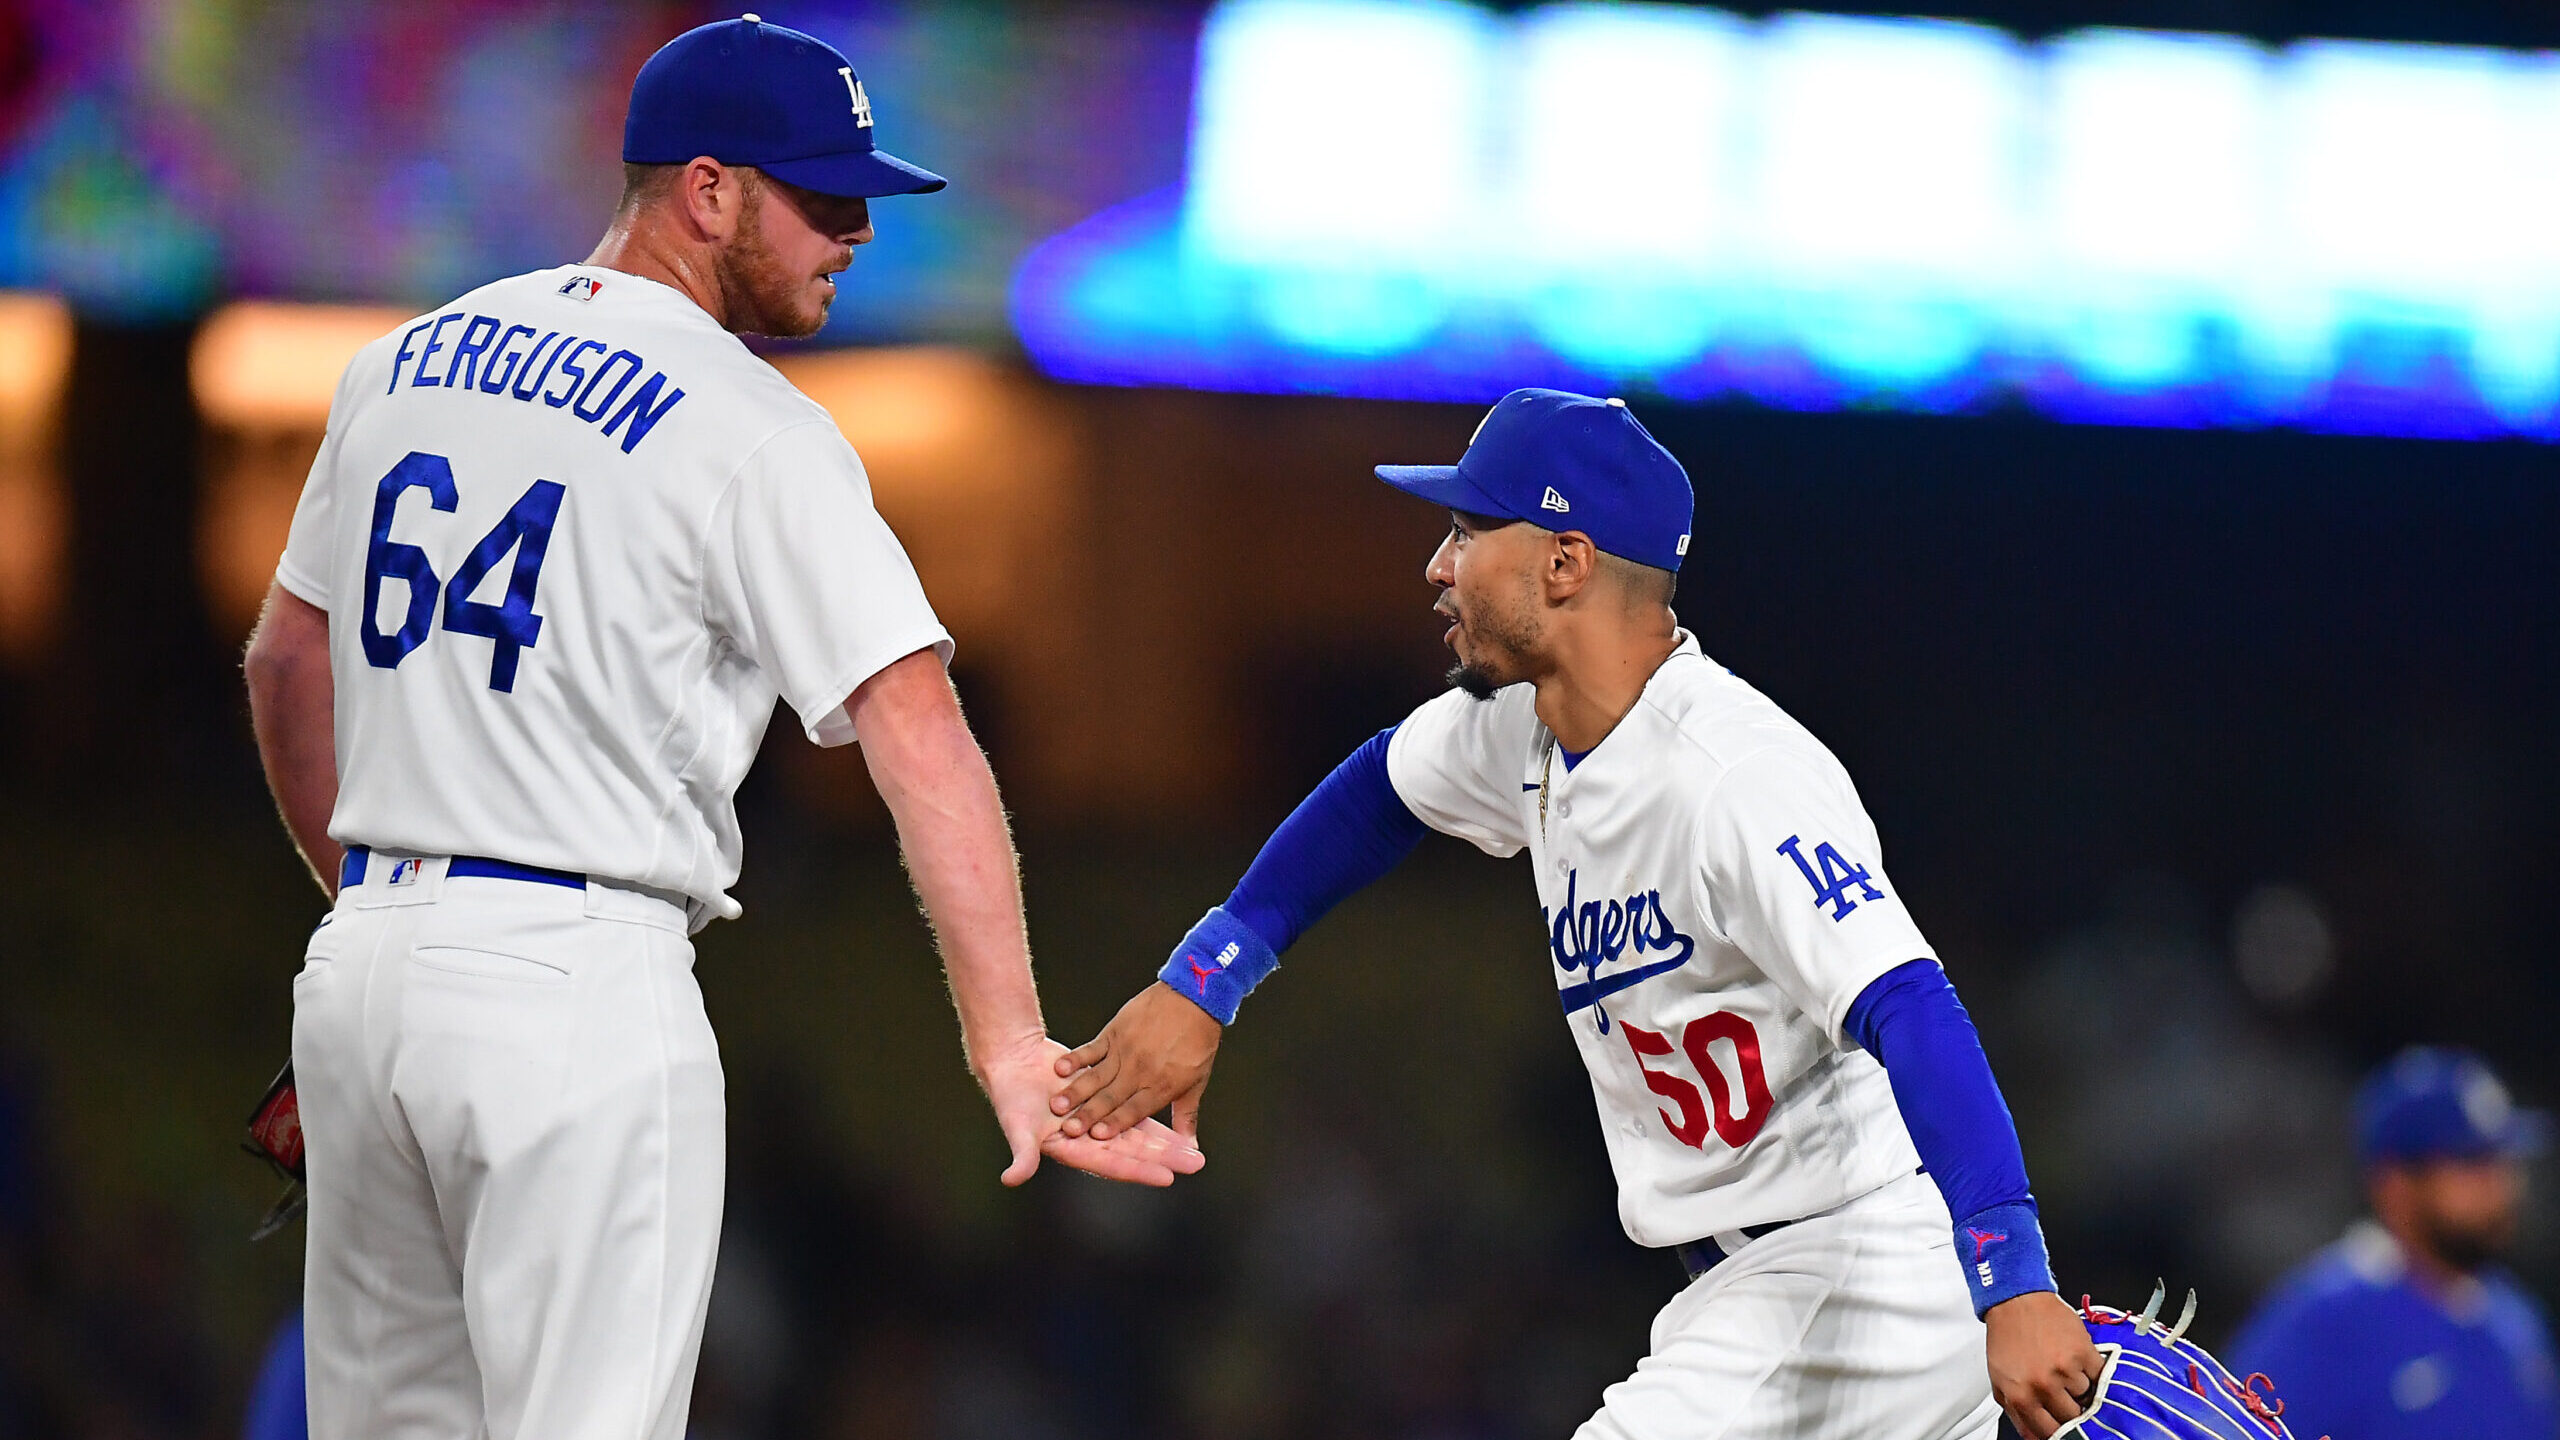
x=958, y=850
x=959, y=853
x=292, y=701
x=1911, y=1020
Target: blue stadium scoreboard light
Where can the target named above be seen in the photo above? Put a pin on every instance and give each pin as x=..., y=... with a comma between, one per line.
x=1429, y=200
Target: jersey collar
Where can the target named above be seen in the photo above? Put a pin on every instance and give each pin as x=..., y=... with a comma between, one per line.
x=1550, y=754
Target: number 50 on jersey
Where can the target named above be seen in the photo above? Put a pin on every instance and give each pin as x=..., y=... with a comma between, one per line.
x=510, y=625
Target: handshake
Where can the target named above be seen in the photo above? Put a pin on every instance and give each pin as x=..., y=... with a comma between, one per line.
x=1091, y=1107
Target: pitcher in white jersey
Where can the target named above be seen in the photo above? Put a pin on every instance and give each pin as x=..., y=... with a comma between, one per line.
x=565, y=544
x=1793, y=1099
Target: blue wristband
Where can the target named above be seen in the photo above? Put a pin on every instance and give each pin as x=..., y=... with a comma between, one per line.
x=1218, y=964
x=2003, y=1253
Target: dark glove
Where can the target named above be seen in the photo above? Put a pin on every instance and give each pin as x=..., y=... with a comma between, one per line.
x=275, y=1136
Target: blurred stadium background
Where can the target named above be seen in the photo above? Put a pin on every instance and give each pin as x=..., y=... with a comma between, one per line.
x=2213, y=740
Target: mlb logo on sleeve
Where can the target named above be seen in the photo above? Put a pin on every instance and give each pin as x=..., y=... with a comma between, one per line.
x=582, y=287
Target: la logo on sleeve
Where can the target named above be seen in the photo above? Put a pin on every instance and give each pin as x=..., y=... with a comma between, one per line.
x=1831, y=884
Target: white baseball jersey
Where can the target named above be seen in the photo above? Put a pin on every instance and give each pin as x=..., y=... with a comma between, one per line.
x=1715, y=900
x=573, y=539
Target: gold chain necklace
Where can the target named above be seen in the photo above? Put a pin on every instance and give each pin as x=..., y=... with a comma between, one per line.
x=1546, y=772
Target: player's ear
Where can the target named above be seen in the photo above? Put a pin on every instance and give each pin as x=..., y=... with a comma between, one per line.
x=1571, y=560
x=712, y=196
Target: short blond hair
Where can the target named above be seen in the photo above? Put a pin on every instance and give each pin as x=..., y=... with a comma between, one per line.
x=648, y=184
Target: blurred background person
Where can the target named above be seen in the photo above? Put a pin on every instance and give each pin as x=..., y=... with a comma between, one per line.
x=2408, y=1326
x=278, y=1408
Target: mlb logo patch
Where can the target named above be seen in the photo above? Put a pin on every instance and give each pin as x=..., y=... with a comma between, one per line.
x=405, y=872
x=582, y=287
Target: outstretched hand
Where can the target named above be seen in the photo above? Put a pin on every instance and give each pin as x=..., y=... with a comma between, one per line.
x=1156, y=1052
x=2042, y=1361
x=1019, y=1081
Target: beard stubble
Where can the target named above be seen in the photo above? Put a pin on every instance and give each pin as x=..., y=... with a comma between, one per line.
x=761, y=291
x=1501, y=639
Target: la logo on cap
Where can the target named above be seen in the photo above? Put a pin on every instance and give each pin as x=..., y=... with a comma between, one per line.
x=861, y=102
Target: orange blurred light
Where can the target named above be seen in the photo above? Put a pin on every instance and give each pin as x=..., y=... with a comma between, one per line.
x=265, y=365
x=264, y=373
x=968, y=461
x=973, y=463
x=934, y=425
x=35, y=367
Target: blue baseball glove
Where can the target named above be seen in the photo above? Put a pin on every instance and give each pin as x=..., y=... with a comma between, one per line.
x=2159, y=1385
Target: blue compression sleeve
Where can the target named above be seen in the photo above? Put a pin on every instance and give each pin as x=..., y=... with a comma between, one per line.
x=1912, y=1022
x=1352, y=829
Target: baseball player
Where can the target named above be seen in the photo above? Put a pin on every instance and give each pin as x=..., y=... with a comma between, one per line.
x=2408, y=1327
x=1773, y=1047
x=564, y=544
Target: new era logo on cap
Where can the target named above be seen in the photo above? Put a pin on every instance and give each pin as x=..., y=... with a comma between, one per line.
x=1553, y=501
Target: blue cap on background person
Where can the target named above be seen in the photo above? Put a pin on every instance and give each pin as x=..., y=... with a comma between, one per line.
x=1567, y=462
x=2439, y=1102
x=747, y=93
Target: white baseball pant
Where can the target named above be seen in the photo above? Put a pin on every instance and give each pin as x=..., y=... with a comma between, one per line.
x=1851, y=1325
x=514, y=1115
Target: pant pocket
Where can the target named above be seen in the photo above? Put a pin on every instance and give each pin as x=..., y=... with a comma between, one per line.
x=489, y=964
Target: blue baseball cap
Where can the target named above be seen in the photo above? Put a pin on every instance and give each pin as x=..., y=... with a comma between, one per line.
x=1563, y=461
x=2433, y=1102
x=747, y=93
